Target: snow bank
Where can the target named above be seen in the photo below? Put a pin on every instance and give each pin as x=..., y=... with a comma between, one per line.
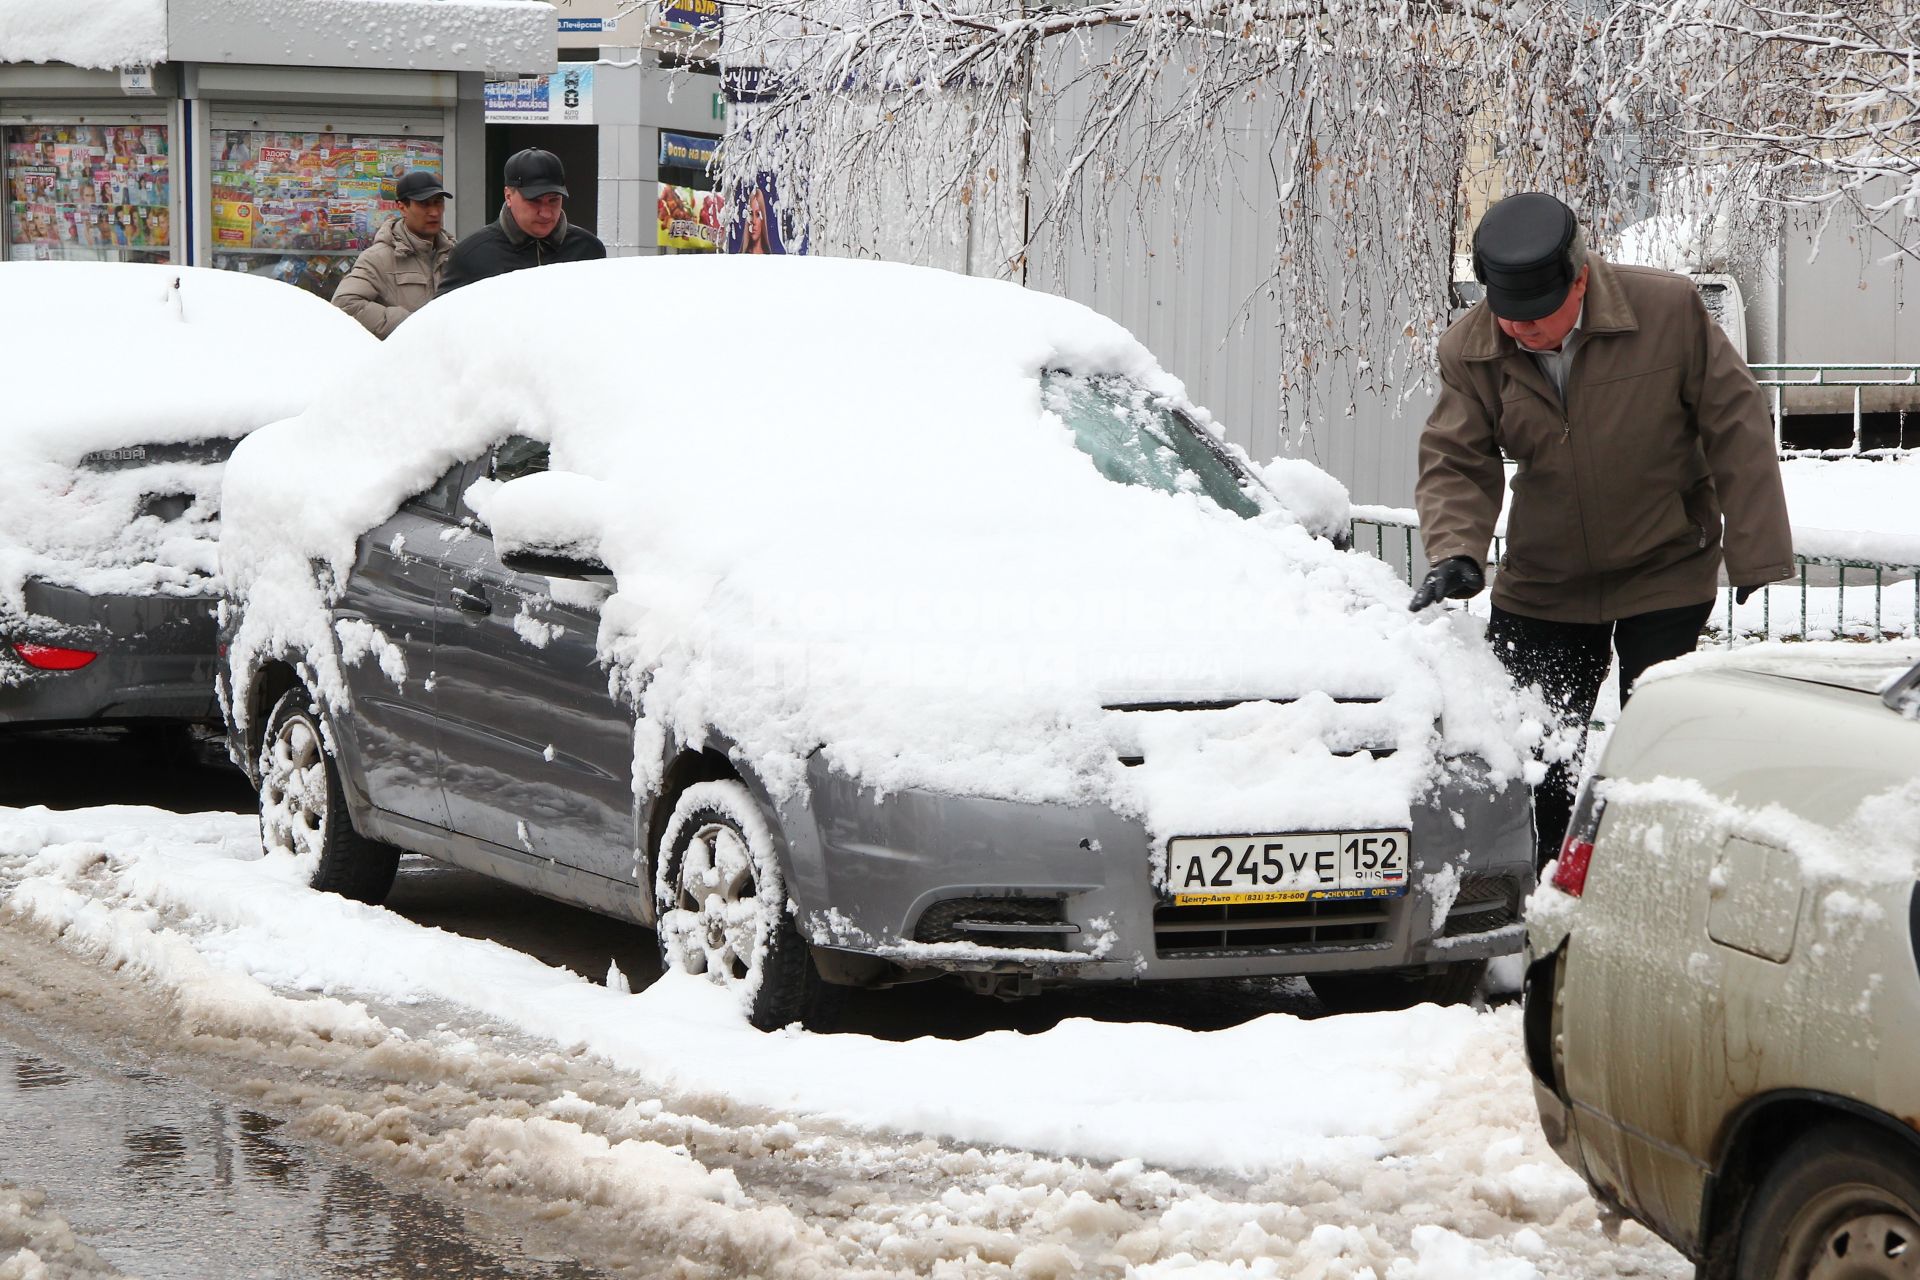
x=101, y=34
x=115, y=358
x=848, y=516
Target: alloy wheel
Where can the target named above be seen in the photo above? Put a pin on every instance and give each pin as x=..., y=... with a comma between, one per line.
x=293, y=788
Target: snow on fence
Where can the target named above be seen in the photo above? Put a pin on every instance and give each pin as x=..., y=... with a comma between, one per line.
x=1855, y=586
x=1778, y=377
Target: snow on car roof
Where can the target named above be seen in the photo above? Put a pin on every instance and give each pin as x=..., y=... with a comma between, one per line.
x=111, y=359
x=841, y=514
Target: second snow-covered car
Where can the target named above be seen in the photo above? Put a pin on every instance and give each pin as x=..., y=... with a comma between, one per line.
x=130, y=385
x=864, y=623
x=1723, y=1004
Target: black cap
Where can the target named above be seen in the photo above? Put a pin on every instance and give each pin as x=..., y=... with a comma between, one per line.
x=1520, y=252
x=536, y=173
x=419, y=184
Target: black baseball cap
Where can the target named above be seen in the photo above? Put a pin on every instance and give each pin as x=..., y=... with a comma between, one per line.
x=1521, y=253
x=420, y=184
x=536, y=173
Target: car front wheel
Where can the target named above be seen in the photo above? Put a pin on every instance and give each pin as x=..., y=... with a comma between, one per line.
x=1842, y=1201
x=303, y=809
x=721, y=907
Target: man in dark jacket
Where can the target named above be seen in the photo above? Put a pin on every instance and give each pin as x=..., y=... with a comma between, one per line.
x=532, y=231
x=1646, y=461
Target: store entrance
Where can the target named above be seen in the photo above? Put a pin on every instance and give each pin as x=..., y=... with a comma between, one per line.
x=577, y=145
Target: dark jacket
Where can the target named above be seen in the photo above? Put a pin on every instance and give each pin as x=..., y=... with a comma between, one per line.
x=1623, y=491
x=501, y=246
x=393, y=279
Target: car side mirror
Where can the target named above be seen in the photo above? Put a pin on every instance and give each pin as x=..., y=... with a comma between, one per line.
x=555, y=564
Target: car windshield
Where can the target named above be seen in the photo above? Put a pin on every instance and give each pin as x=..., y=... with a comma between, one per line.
x=217, y=449
x=1137, y=438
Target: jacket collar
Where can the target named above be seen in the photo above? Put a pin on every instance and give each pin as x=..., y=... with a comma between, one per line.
x=396, y=234
x=519, y=239
x=1607, y=311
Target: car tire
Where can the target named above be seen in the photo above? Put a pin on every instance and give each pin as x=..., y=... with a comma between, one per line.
x=1396, y=989
x=1842, y=1200
x=721, y=908
x=303, y=808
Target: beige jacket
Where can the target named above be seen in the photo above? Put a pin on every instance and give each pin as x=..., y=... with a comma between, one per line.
x=1620, y=497
x=393, y=278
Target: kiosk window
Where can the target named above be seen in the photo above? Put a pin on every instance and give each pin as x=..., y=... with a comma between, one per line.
x=88, y=193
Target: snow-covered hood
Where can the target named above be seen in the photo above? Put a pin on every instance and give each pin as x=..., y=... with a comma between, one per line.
x=1864, y=668
x=118, y=370
x=841, y=515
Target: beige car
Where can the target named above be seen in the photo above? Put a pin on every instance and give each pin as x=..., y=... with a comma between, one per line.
x=1723, y=1002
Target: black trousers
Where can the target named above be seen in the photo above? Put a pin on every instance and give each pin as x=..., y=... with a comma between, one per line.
x=1569, y=660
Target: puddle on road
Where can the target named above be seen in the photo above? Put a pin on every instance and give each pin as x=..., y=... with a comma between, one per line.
x=166, y=1181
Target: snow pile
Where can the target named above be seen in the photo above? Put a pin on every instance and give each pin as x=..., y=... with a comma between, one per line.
x=1397, y=1145
x=37, y=1245
x=114, y=359
x=849, y=516
x=101, y=34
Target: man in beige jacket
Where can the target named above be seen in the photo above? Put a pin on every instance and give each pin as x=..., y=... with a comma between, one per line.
x=399, y=271
x=1645, y=456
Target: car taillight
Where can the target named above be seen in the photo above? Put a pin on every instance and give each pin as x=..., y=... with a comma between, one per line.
x=49, y=657
x=1576, y=851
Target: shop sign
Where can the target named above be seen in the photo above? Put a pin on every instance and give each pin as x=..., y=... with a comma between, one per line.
x=689, y=219
x=137, y=82
x=684, y=151
x=697, y=16
x=561, y=97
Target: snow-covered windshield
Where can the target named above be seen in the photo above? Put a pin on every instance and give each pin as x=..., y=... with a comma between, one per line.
x=1135, y=437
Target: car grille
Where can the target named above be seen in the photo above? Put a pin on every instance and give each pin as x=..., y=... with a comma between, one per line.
x=1485, y=903
x=1027, y=923
x=1270, y=926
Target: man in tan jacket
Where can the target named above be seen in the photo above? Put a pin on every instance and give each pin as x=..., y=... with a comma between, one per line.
x=1645, y=458
x=399, y=271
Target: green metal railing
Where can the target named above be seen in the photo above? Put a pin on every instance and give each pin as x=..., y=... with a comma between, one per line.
x=1394, y=538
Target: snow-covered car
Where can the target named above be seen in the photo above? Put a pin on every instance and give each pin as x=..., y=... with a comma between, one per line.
x=855, y=623
x=1722, y=1002
x=129, y=385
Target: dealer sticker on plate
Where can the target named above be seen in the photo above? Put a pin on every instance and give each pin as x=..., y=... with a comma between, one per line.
x=1219, y=870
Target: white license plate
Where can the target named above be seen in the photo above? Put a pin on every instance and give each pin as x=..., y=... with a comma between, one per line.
x=1216, y=870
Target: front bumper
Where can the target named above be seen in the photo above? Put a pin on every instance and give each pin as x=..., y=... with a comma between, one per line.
x=156, y=659
x=926, y=884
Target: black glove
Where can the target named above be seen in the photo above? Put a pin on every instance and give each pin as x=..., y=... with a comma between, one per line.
x=1740, y=594
x=1454, y=578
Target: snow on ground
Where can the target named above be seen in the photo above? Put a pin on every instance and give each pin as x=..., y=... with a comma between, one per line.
x=1392, y=1147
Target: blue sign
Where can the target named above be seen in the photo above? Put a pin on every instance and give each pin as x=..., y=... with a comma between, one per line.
x=686, y=151
x=589, y=24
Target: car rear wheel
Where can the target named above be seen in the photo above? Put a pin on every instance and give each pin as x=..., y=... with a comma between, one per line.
x=1397, y=989
x=722, y=911
x=303, y=810
x=1841, y=1203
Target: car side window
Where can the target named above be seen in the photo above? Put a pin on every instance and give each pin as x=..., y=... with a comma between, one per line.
x=517, y=456
x=440, y=499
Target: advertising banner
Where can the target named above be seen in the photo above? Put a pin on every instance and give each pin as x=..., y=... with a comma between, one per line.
x=689, y=219
x=696, y=16
x=685, y=151
x=759, y=224
x=560, y=97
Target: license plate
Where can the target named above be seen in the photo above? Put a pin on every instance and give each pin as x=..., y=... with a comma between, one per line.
x=1220, y=870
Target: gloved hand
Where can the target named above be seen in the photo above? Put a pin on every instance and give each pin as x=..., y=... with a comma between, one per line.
x=1740, y=594
x=1455, y=578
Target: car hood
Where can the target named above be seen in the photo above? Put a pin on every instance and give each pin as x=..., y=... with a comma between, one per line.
x=1862, y=668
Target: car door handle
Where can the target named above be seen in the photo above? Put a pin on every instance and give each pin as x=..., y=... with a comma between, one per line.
x=472, y=601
